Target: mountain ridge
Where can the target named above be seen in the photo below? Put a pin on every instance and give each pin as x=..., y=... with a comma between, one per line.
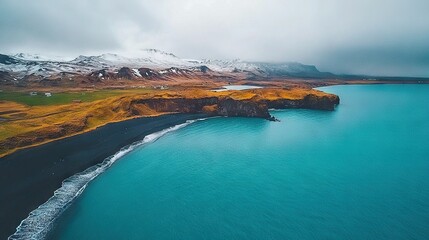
x=23, y=65
x=24, y=69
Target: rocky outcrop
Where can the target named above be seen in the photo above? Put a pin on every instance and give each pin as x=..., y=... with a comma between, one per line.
x=148, y=73
x=103, y=74
x=126, y=73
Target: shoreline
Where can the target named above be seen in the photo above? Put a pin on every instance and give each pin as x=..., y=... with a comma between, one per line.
x=29, y=177
x=29, y=126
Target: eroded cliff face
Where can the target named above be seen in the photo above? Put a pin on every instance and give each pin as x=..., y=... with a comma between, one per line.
x=310, y=101
x=180, y=104
x=214, y=106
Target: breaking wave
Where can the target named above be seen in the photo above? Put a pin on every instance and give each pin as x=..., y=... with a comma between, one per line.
x=39, y=221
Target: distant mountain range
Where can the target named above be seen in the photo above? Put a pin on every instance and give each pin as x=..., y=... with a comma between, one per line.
x=22, y=67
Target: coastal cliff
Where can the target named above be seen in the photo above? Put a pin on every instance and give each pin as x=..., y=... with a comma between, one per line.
x=36, y=125
x=310, y=101
x=250, y=103
x=213, y=106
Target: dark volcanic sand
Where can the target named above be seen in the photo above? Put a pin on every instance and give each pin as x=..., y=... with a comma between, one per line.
x=29, y=177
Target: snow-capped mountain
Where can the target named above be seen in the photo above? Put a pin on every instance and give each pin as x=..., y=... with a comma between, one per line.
x=149, y=58
x=23, y=65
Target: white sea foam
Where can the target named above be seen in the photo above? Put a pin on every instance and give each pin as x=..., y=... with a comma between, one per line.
x=39, y=221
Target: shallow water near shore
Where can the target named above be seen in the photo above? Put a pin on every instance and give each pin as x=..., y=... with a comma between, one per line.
x=359, y=172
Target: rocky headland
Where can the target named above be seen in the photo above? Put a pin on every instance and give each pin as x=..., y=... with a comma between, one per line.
x=36, y=125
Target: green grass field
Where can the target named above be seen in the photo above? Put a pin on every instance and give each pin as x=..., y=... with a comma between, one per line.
x=63, y=98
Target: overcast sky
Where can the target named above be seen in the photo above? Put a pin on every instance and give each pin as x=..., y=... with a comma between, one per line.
x=379, y=37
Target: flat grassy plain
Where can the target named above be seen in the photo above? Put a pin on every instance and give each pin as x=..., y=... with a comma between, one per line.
x=61, y=98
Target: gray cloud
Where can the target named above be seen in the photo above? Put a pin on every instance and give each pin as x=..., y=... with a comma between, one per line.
x=387, y=37
x=69, y=27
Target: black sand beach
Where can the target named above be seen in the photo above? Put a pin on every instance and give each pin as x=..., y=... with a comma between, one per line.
x=30, y=176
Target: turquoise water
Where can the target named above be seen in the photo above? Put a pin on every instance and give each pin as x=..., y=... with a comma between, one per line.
x=360, y=172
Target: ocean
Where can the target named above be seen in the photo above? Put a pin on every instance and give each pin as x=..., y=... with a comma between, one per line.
x=359, y=172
